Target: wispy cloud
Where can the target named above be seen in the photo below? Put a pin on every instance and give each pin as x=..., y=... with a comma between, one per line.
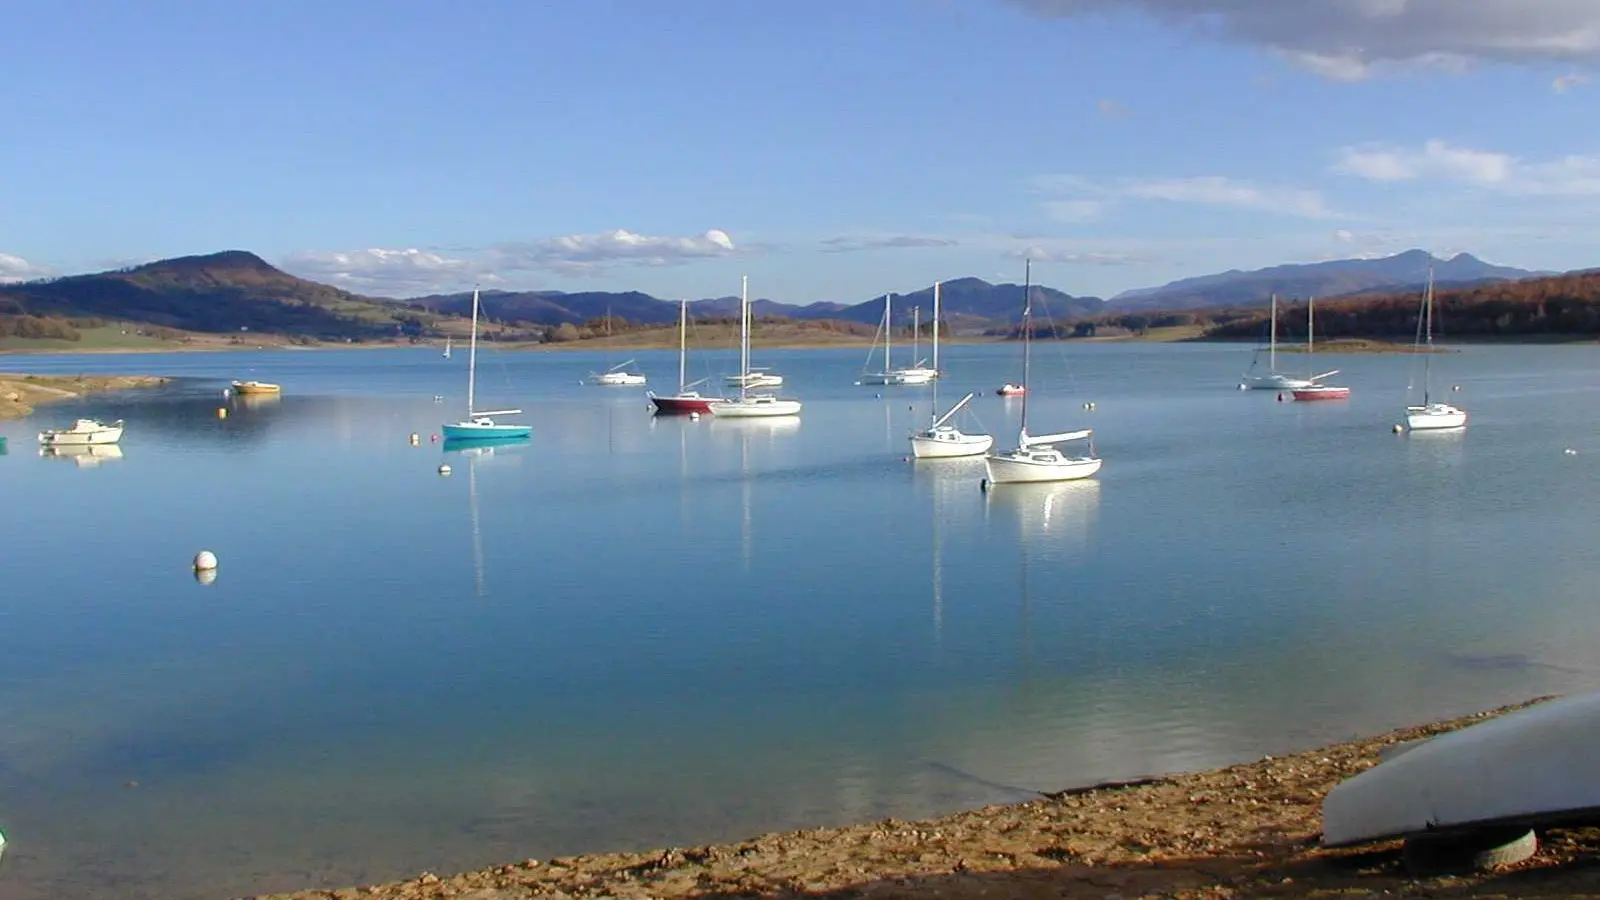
x=1089, y=200
x=845, y=244
x=1075, y=257
x=1571, y=176
x=1565, y=83
x=593, y=254
x=413, y=271
x=385, y=272
x=1352, y=39
x=14, y=268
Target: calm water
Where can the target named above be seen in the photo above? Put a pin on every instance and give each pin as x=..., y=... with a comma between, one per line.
x=634, y=632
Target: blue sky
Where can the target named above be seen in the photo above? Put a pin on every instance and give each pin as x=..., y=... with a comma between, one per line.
x=833, y=149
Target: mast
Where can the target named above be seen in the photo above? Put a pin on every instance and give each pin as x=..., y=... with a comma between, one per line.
x=1027, y=341
x=472, y=354
x=683, y=338
x=936, y=349
x=888, y=335
x=744, y=334
x=1427, y=318
x=916, y=333
x=1311, y=328
x=1272, y=344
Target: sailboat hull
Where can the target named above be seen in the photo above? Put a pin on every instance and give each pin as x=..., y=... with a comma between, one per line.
x=755, y=408
x=1034, y=467
x=473, y=431
x=1273, y=382
x=1435, y=416
x=949, y=443
x=1322, y=392
x=683, y=405
x=900, y=376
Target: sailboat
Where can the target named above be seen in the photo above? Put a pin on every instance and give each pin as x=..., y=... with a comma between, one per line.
x=480, y=425
x=916, y=374
x=686, y=400
x=941, y=440
x=1316, y=390
x=748, y=405
x=1431, y=415
x=618, y=375
x=447, y=347
x=1272, y=379
x=1035, y=458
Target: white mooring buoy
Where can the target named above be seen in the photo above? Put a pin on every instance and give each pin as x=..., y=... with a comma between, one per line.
x=444, y=468
x=1398, y=429
x=205, y=560
x=694, y=416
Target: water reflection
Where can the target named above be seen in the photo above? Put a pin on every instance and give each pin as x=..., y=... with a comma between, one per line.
x=84, y=456
x=951, y=484
x=1048, y=516
x=254, y=401
x=475, y=452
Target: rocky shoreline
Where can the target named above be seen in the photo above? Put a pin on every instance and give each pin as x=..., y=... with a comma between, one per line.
x=1248, y=830
x=19, y=393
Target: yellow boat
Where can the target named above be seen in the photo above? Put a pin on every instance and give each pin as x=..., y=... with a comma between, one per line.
x=255, y=387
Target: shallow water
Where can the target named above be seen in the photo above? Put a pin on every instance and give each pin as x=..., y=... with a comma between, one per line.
x=632, y=632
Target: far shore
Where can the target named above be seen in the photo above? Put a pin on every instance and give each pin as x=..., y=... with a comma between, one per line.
x=666, y=338
x=20, y=393
x=1249, y=830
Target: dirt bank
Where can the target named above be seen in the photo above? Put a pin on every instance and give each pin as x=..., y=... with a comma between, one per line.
x=19, y=394
x=1244, y=831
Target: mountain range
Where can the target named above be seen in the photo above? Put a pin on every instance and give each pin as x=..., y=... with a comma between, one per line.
x=237, y=290
x=1335, y=278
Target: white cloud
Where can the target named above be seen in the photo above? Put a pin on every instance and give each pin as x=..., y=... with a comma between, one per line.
x=1570, y=176
x=592, y=254
x=1219, y=191
x=14, y=268
x=414, y=271
x=1567, y=82
x=1435, y=159
x=1348, y=39
x=1215, y=190
x=891, y=242
x=385, y=272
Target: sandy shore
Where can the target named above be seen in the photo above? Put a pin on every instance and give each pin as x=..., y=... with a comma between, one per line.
x=1245, y=831
x=19, y=393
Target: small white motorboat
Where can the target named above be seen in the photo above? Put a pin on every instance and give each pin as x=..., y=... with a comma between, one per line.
x=83, y=431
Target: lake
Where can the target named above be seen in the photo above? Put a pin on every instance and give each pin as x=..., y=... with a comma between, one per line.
x=633, y=632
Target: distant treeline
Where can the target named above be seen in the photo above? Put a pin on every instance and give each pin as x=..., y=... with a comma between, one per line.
x=602, y=326
x=1560, y=306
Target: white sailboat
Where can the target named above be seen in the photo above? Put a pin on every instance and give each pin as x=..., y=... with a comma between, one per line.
x=941, y=440
x=747, y=404
x=1035, y=458
x=1316, y=390
x=1272, y=379
x=480, y=425
x=447, y=347
x=618, y=375
x=916, y=374
x=1431, y=415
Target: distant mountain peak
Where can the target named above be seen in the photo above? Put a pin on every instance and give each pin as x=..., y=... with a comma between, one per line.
x=1402, y=271
x=233, y=260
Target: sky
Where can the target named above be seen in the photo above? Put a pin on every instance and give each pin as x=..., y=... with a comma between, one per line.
x=831, y=150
